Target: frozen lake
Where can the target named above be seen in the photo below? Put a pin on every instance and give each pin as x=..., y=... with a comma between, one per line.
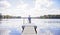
x=43, y=25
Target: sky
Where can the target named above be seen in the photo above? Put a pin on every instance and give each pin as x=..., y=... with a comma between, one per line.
x=29, y=7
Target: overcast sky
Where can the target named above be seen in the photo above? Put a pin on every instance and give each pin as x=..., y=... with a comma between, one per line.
x=29, y=7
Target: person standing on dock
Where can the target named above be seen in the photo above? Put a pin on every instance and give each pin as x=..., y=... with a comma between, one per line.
x=29, y=19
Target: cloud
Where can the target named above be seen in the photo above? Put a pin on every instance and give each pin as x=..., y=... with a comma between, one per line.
x=41, y=7
x=44, y=7
x=40, y=3
x=4, y=4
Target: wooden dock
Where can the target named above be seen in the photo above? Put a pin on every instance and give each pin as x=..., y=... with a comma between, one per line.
x=29, y=29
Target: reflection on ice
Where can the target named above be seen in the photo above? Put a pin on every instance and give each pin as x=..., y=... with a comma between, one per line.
x=45, y=26
x=45, y=32
x=14, y=31
x=4, y=31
